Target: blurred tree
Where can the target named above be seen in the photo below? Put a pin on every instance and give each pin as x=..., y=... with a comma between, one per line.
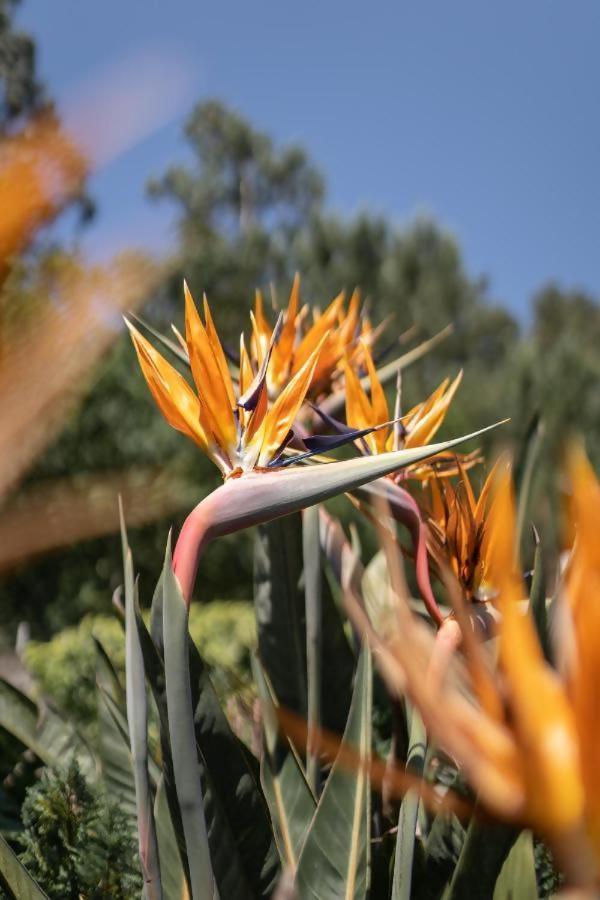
x=555, y=374
x=417, y=275
x=76, y=843
x=563, y=383
x=21, y=91
x=240, y=204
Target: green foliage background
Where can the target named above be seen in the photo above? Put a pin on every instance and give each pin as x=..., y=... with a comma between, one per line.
x=65, y=667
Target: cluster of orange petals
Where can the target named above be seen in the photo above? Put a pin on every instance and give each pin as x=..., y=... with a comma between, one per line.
x=339, y=331
x=458, y=532
x=236, y=435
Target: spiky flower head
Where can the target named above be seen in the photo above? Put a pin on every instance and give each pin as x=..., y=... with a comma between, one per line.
x=341, y=331
x=233, y=424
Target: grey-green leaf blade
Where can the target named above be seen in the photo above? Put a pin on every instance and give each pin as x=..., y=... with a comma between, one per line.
x=181, y=735
x=291, y=801
x=335, y=860
x=20, y=883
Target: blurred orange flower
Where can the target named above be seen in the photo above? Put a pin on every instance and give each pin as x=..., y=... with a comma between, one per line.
x=526, y=738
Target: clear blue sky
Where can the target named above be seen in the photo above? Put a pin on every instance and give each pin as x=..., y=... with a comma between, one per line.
x=485, y=115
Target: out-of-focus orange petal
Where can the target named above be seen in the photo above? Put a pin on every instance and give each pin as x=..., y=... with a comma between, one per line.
x=40, y=169
x=543, y=721
x=173, y=395
x=583, y=595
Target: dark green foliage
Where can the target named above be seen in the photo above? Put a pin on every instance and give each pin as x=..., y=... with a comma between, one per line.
x=18, y=771
x=484, y=852
x=65, y=666
x=20, y=89
x=549, y=880
x=279, y=602
x=280, y=613
x=75, y=844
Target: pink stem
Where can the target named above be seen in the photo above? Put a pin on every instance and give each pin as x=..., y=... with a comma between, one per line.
x=406, y=510
x=193, y=538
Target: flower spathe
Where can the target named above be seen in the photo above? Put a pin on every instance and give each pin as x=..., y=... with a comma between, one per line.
x=260, y=496
x=234, y=427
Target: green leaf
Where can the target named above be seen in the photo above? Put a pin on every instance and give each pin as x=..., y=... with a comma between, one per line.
x=281, y=618
x=280, y=612
x=407, y=820
x=156, y=616
x=244, y=858
x=43, y=730
x=334, y=862
x=291, y=801
x=182, y=738
x=538, y=603
x=525, y=473
x=155, y=674
x=115, y=755
x=18, y=880
x=106, y=674
x=441, y=851
x=174, y=884
x=239, y=832
x=137, y=721
x=486, y=847
x=244, y=855
x=311, y=552
x=115, y=749
x=337, y=665
x=517, y=879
